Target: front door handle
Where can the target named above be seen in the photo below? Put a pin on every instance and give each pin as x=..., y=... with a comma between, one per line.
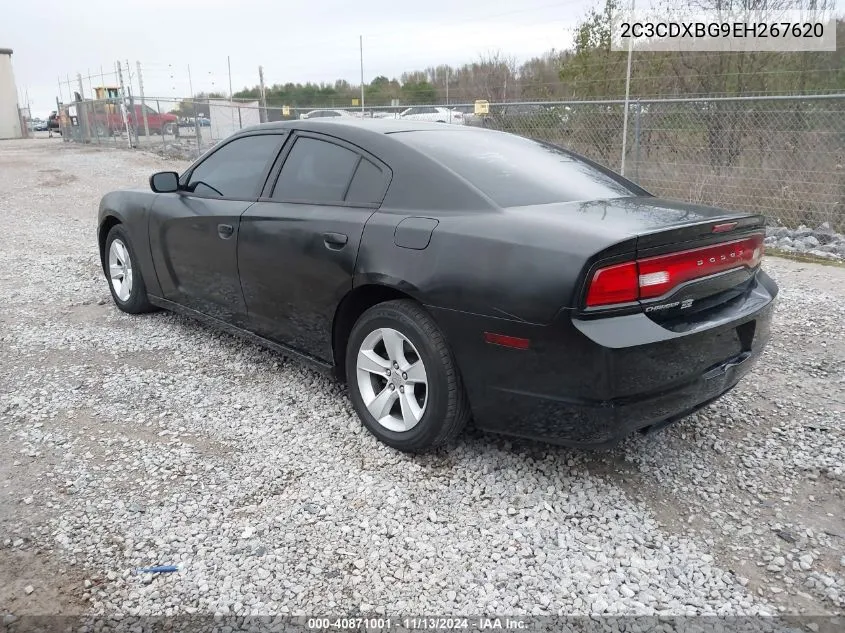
x=225, y=231
x=335, y=241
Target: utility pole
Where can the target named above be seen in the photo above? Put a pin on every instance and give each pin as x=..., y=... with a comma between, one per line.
x=123, y=103
x=263, y=111
x=134, y=113
x=627, y=98
x=361, y=52
x=61, y=96
x=93, y=96
x=82, y=110
x=196, y=120
x=232, y=95
x=143, y=108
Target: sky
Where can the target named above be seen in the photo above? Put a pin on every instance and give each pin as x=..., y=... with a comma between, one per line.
x=293, y=41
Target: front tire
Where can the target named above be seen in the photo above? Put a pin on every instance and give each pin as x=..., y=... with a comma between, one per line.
x=403, y=379
x=126, y=282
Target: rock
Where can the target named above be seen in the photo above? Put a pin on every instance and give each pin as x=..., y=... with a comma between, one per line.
x=810, y=242
x=787, y=536
x=28, y=589
x=823, y=238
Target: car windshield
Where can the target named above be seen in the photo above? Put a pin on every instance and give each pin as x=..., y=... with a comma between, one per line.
x=515, y=171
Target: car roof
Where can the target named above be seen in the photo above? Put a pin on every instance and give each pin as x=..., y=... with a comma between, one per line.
x=376, y=126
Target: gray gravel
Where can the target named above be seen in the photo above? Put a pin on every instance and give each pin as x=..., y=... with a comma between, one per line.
x=138, y=441
x=821, y=242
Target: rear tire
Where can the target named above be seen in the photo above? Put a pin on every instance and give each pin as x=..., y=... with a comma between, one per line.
x=126, y=282
x=399, y=365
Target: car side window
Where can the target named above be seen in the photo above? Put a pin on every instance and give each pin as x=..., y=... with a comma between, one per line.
x=236, y=170
x=315, y=171
x=367, y=185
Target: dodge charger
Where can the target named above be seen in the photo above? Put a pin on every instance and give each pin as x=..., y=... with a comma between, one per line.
x=449, y=274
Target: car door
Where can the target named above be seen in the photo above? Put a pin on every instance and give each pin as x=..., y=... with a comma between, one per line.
x=194, y=232
x=298, y=244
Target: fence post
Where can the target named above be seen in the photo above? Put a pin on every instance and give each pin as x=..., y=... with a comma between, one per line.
x=163, y=135
x=143, y=104
x=82, y=112
x=262, y=112
x=123, y=114
x=637, y=142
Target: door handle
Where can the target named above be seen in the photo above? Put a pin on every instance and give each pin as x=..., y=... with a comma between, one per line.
x=335, y=241
x=225, y=231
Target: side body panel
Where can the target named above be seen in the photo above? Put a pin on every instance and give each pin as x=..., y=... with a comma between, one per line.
x=196, y=265
x=294, y=271
x=131, y=208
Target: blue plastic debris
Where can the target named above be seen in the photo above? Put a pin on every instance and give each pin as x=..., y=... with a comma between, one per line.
x=163, y=569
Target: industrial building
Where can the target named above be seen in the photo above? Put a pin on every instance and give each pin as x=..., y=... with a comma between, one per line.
x=10, y=119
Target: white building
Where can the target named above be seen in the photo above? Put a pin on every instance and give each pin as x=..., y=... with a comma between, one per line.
x=10, y=119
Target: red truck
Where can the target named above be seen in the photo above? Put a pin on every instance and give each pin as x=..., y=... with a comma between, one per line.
x=110, y=122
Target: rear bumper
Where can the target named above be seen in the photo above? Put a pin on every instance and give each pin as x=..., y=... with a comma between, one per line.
x=592, y=383
x=602, y=424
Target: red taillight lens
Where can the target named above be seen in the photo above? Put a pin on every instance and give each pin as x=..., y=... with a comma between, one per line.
x=614, y=284
x=655, y=276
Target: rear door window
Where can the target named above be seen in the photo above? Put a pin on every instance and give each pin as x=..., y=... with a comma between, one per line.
x=367, y=185
x=316, y=171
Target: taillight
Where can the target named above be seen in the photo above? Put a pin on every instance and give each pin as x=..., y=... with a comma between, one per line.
x=655, y=276
x=613, y=284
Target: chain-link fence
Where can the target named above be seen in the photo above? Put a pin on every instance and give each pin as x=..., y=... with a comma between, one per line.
x=780, y=156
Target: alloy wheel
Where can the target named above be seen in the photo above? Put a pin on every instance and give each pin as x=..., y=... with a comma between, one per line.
x=120, y=270
x=392, y=379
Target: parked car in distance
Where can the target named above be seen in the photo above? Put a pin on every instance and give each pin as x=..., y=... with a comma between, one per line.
x=53, y=123
x=323, y=114
x=192, y=122
x=39, y=125
x=106, y=123
x=435, y=114
x=450, y=272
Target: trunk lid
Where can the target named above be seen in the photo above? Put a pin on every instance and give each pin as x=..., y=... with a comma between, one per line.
x=684, y=259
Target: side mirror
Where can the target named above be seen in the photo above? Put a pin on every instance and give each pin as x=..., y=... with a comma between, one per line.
x=164, y=182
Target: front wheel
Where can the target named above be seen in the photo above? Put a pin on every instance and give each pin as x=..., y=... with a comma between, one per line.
x=403, y=379
x=168, y=128
x=125, y=279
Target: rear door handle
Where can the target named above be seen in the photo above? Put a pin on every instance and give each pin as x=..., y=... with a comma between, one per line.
x=335, y=241
x=225, y=231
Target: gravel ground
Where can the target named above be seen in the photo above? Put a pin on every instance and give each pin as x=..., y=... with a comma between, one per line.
x=153, y=440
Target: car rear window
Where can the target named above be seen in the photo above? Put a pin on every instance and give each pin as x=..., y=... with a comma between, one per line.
x=515, y=171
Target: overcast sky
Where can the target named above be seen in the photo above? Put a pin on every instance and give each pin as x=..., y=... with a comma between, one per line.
x=294, y=41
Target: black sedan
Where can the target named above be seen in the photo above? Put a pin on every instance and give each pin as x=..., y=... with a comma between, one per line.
x=449, y=273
